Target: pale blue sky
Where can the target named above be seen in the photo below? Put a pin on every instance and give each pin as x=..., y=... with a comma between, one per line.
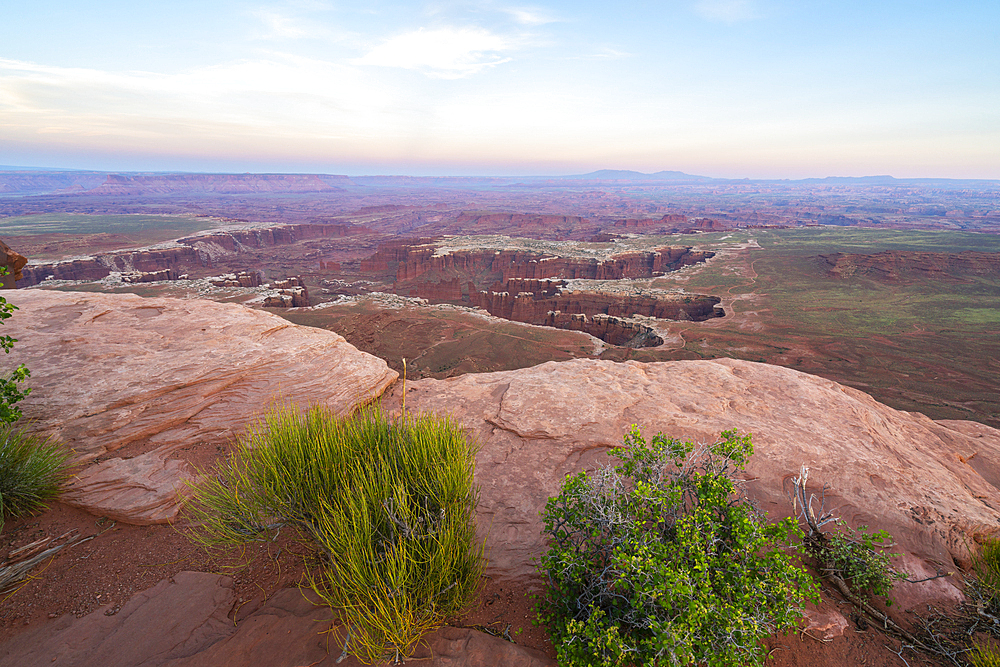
x=728, y=88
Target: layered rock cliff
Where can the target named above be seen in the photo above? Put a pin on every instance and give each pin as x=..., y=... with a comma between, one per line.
x=421, y=260
x=193, y=253
x=544, y=302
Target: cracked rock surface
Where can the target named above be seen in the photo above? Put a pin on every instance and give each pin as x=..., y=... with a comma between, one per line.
x=932, y=485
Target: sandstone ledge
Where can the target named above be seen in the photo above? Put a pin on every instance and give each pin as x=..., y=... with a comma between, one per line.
x=129, y=383
x=932, y=485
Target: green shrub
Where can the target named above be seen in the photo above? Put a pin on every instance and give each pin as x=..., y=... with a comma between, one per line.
x=660, y=560
x=388, y=505
x=10, y=382
x=861, y=559
x=32, y=470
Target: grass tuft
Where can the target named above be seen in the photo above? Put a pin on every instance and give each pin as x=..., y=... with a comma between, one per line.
x=388, y=505
x=984, y=655
x=32, y=471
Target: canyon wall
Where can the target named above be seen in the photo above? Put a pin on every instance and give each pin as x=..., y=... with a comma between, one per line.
x=411, y=260
x=527, y=286
x=96, y=268
x=194, y=252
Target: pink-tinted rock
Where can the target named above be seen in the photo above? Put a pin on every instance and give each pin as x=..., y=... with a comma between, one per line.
x=891, y=470
x=183, y=622
x=177, y=618
x=289, y=631
x=823, y=623
x=141, y=490
x=13, y=262
x=114, y=371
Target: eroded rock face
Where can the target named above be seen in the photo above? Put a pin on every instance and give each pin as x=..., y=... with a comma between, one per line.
x=129, y=382
x=416, y=261
x=13, y=262
x=931, y=485
x=193, y=253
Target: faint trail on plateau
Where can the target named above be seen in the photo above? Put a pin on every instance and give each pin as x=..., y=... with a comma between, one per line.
x=732, y=300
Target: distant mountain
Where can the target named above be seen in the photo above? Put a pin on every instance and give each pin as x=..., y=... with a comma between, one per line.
x=628, y=175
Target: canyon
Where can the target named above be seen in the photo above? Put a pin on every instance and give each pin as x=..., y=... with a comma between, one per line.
x=658, y=298
x=529, y=286
x=142, y=423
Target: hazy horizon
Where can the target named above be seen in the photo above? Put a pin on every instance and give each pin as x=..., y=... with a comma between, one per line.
x=760, y=89
x=442, y=175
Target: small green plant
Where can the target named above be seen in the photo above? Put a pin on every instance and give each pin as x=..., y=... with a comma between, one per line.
x=984, y=655
x=10, y=383
x=32, y=470
x=661, y=560
x=986, y=567
x=387, y=505
x=861, y=558
x=856, y=560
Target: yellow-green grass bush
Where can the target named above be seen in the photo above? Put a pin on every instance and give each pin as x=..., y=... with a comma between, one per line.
x=986, y=566
x=389, y=506
x=32, y=471
x=984, y=655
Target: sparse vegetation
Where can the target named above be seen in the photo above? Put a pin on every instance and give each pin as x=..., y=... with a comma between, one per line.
x=10, y=382
x=986, y=567
x=984, y=655
x=32, y=470
x=856, y=560
x=387, y=505
x=660, y=560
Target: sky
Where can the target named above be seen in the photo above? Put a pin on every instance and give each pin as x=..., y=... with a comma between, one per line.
x=723, y=88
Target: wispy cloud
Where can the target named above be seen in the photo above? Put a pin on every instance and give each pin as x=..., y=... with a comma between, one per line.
x=727, y=11
x=530, y=16
x=281, y=26
x=278, y=91
x=447, y=53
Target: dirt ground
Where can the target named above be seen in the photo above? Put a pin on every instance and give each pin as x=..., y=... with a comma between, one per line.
x=122, y=560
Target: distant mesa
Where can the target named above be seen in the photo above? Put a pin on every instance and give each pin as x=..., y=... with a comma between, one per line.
x=628, y=175
x=163, y=184
x=898, y=265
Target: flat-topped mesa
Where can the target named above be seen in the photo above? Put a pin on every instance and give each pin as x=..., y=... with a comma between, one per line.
x=238, y=279
x=186, y=184
x=895, y=265
x=126, y=262
x=610, y=329
x=291, y=293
